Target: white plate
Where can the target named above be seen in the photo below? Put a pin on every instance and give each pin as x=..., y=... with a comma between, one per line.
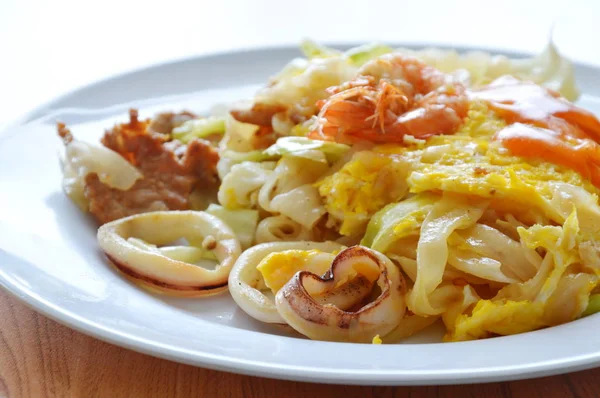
x=49, y=257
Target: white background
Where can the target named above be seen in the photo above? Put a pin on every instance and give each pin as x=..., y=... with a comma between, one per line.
x=50, y=47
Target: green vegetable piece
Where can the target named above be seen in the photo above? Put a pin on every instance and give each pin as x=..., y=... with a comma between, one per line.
x=252, y=156
x=312, y=50
x=199, y=128
x=362, y=54
x=382, y=229
x=243, y=222
x=305, y=147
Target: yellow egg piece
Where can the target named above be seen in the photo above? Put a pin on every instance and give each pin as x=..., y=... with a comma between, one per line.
x=279, y=267
x=363, y=186
x=503, y=318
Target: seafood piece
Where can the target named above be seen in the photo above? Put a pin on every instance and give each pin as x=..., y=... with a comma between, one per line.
x=153, y=269
x=318, y=321
x=247, y=284
x=393, y=96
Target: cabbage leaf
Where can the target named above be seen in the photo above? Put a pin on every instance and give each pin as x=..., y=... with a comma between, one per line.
x=243, y=222
x=199, y=128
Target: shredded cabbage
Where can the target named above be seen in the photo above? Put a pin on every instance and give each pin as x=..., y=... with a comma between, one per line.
x=242, y=222
x=447, y=215
x=570, y=298
x=239, y=188
x=302, y=147
x=560, y=243
x=301, y=204
x=199, y=128
x=483, y=267
x=252, y=156
x=312, y=49
x=566, y=196
x=362, y=54
x=396, y=221
x=493, y=247
x=305, y=147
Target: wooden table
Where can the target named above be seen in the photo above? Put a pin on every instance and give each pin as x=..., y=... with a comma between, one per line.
x=39, y=357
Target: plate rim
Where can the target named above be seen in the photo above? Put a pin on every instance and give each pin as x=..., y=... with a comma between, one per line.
x=261, y=367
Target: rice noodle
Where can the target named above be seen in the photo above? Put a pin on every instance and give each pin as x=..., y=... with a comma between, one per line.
x=447, y=215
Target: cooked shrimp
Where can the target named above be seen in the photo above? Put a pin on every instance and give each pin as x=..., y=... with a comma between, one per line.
x=393, y=96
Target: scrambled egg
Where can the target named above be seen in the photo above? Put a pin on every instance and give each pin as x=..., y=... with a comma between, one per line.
x=471, y=163
x=279, y=267
x=503, y=318
x=468, y=162
x=362, y=187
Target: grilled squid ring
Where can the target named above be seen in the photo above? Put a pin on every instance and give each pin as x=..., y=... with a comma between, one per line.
x=296, y=304
x=245, y=280
x=152, y=269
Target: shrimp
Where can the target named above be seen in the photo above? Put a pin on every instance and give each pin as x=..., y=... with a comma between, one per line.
x=393, y=96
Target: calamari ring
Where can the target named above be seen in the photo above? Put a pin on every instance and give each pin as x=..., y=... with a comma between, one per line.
x=244, y=277
x=154, y=270
x=296, y=305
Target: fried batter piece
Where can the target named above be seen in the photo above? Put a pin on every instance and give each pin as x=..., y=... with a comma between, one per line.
x=171, y=170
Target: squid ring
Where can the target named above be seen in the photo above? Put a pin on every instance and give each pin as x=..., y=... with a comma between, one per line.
x=245, y=277
x=296, y=305
x=153, y=270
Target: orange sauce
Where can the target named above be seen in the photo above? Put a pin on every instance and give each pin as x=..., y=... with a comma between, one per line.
x=524, y=102
x=527, y=141
x=542, y=125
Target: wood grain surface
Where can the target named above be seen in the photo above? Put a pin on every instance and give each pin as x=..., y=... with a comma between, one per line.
x=40, y=358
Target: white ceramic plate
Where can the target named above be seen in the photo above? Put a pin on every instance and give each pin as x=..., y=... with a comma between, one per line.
x=49, y=257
